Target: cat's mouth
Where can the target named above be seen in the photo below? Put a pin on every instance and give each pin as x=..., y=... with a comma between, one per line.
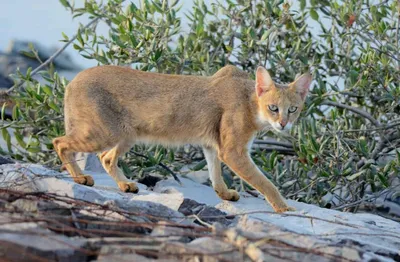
x=281, y=129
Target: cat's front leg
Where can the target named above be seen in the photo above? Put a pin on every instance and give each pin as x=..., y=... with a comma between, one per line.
x=214, y=169
x=240, y=162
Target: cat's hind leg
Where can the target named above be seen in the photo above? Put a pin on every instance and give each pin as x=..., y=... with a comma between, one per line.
x=214, y=168
x=109, y=160
x=65, y=147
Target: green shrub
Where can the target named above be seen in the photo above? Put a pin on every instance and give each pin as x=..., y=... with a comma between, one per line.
x=345, y=144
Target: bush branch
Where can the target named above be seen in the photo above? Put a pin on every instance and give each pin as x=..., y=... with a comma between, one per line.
x=354, y=110
x=281, y=150
x=51, y=58
x=379, y=147
x=161, y=165
x=273, y=142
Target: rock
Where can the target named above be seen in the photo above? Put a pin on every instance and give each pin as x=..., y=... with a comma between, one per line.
x=386, y=205
x=5, y=81
x=189, y=189
x=200, y=176
x=123, y=257
x=103, y=223
x=89, y=162
x=10, y=62
x=222, y=250
x=63, y=61
x=14, y=59
x=33, y=178
x=205, y=213
x=4, y=160
x=110, y=249
x=170, y=200
x=28, y=241
x=149, y=180
x=165, y=230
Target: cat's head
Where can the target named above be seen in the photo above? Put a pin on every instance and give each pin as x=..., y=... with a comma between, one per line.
x=280, y=105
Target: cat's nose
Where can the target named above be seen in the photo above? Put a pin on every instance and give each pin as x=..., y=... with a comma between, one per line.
x=283, y=124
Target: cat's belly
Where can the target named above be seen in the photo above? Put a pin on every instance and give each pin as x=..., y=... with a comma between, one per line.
x=173, y=141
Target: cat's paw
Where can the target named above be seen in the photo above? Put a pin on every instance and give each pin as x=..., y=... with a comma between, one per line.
x=130, y=187
x=230, y=195
x=284, y=209
x=84, y=180
x=233, y=195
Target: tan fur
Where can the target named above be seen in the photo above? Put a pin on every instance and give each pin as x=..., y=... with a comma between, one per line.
x=108, y=109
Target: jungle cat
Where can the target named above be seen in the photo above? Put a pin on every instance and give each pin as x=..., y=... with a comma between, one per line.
x=110, y=108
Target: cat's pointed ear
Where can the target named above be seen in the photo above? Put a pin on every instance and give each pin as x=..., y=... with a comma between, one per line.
x=302, y=84
x=263, y=81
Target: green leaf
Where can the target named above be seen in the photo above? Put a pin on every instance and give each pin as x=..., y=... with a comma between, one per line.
x=269, y=8
x=157, y=7
x=353, y=76
x=289, y=183
x=77, y=47
x=53, y=106
x=19, y=138
x=7, y=138
x=47, y=90
x=302, y=4
x=3, y=111
x=125, y=168
x=314, y=15
x=28, y=54
x=79, y=37
x=266, y=34
x=33, y=149
x=272, y=160
x=87, y=56
x=303, y=59
x=200, y=165
x=66, y=38
x=65, y=3
x=383, y=180
x=15, y=113
x=354, y=176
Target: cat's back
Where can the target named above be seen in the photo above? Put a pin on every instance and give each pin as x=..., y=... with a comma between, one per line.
x=124, y=80
x=106, y=75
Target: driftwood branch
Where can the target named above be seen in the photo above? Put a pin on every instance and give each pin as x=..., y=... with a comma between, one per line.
x=51, y=58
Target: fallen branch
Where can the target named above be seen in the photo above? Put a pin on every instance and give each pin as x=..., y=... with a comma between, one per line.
x=242, y=243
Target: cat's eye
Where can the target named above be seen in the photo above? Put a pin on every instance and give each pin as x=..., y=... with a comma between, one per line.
x=273, y=108
x=292, y=109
